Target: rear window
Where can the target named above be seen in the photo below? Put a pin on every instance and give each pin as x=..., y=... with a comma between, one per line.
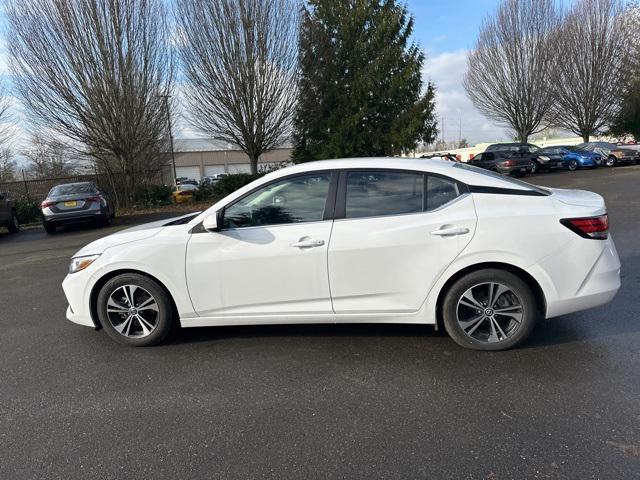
x=72, y=189
x=511, y=180
x=375, y=193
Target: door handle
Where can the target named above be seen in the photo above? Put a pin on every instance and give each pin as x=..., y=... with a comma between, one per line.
x=306, y=242
x=450, y=232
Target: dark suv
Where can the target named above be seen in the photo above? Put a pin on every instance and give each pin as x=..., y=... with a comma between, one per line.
x=8, y=215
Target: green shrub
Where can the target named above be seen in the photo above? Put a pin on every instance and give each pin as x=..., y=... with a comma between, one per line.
x=153, y=196
x=28, y=210
x=205, y=193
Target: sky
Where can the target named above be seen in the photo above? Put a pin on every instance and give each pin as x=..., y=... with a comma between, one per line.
x=446, y=31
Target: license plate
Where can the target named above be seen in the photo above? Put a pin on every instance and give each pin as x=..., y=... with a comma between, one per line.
x=523, y=169
x=71, y=204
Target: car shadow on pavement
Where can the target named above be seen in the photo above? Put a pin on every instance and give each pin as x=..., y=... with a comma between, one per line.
x=208, y=334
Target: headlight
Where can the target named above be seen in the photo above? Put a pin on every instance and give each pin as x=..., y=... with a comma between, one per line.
x=80, y=263
x=544, y=158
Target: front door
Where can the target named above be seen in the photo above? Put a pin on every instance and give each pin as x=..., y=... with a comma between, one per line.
x=270, y=257
x=399, y=232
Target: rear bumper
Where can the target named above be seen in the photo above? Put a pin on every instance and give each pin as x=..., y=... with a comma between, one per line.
x=586, y=277
x=515, y=170
x=76, y=217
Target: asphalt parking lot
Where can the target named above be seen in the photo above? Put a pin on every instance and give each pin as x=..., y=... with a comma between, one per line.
x=302, y=402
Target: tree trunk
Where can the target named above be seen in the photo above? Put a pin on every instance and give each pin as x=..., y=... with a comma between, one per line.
x=523, y=137
x=253, y=161
x=585, y=137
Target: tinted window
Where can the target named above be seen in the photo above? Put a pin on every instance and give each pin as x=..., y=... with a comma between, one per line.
x=375, y=193
x=440, y=191
x=72, y=189
x=294, y=200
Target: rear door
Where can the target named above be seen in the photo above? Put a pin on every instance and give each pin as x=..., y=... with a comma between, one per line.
x=395, y=233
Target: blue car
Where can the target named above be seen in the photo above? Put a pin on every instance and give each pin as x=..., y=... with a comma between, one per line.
x=573, y=157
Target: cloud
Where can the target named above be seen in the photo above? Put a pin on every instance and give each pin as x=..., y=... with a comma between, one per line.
x=446, y=71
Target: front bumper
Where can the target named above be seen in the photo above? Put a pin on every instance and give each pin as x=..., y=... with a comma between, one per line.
x=77, y=288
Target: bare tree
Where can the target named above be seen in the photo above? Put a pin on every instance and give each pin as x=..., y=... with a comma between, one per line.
x=509, y=71
x=592, y=72
x=92, y=71
x=7, y=165
x=50, y=158
x=240, y=61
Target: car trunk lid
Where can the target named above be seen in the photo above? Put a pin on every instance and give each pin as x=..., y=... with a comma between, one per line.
x=580, y=198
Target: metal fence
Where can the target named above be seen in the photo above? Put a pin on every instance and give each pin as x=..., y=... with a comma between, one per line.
x=37, y=189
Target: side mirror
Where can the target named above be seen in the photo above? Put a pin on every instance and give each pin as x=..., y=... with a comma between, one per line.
x=211, y=222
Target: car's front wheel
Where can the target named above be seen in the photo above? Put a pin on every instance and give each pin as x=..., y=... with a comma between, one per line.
x=535, y=167
x=611, y=161
x=573, y=165
x=489, y=310
x=135, y=310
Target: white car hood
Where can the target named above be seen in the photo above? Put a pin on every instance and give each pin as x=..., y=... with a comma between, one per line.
x=128, y=235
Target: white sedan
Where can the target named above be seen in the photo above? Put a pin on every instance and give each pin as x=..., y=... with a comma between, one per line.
x=375, y=240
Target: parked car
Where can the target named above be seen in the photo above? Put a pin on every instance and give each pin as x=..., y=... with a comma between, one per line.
x=211, y=179
x=539, y=161
x=613, y=155
x=504, y=162
x=187, y=181
x=183, y=193
x=372, y=240
x=573, y=157
x=8, y=214
x=444, y=156
x=80, y=202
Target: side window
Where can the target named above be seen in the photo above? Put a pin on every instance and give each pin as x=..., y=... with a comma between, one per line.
x=377, y=193
x=293, y=200
x=489, y=156
x=440, y=191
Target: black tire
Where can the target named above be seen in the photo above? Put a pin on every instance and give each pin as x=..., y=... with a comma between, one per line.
x=162, y=320
x=515, y=332
x=49, y=228
x=611, y=161
x=14, y=224
x=105, y=220
x=535, y=167
x=573, y=165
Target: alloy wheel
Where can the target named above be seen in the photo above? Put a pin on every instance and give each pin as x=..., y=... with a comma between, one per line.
x=132, y=311
x=573, y=165
x=610, y=162
x=489, y=312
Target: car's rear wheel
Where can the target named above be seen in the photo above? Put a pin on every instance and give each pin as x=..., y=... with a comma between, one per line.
x=135, y=310
x=573, y=165
x=14, y=224
x=49, y=228
x=489, y=310
x=611, y=161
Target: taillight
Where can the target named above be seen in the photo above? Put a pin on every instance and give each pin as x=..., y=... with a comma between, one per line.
x=185, y=193
x=589, y=227
x=93, y=199
x=47, y=203
x=509, y=163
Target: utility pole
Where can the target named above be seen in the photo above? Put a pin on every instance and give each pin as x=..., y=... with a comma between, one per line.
x=173, y=156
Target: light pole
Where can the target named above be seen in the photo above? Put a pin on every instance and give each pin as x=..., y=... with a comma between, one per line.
x=173, y=156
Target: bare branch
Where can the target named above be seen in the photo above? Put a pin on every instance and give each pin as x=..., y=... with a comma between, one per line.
x=240, y=60
x=592, y=71
x=92, y=71
x=508, y=73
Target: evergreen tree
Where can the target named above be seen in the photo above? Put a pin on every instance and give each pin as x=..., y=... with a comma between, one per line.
x=627, y=122
x=360, y=89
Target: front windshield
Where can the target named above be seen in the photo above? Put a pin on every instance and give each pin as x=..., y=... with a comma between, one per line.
x=489, y=173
